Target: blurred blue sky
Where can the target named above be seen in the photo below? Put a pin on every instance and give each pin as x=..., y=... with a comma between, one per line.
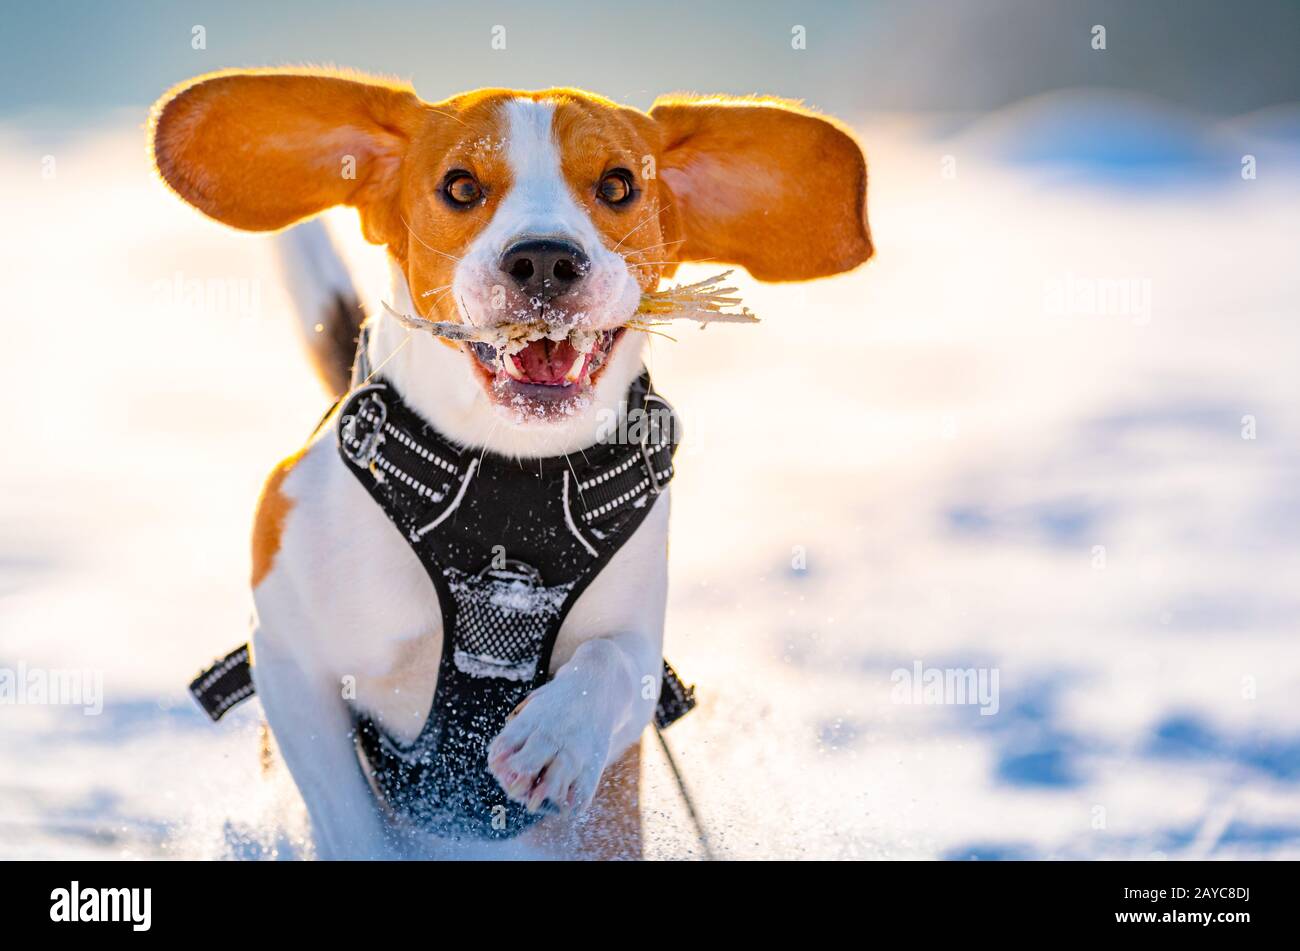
x=69, y=56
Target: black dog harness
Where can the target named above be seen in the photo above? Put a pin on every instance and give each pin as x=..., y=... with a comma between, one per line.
x=510, y=545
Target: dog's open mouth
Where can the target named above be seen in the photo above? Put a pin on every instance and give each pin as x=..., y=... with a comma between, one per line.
x=533, y=366
x=545, y=369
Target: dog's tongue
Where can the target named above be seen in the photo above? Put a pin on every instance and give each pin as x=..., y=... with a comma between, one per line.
x=546, y=361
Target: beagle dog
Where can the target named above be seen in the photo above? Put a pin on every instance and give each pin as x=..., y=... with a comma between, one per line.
x=495, y=206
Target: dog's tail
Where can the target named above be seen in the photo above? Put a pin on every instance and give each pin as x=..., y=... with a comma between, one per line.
x=328, y=306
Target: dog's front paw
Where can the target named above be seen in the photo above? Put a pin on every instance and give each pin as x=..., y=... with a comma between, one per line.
x=550, y=754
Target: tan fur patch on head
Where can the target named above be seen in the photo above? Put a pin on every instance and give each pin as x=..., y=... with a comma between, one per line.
x=472, y=139
x=596, y=137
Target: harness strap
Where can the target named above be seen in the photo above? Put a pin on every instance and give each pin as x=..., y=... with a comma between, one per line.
x=224, y=685
x=228, y=682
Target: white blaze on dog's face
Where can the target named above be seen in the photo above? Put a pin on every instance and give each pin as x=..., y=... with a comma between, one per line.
x=555, y=209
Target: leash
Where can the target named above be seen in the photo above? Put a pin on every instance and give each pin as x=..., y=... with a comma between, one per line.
x=686, y=797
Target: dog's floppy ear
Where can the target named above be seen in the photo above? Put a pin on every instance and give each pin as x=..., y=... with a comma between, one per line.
x=262, y=149
x=764, y=184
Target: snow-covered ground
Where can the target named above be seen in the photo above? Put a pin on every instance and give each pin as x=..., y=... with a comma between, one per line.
x=951, y=458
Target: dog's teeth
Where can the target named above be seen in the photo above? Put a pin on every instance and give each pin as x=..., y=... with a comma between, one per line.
x=575, y=371
x=508, y=364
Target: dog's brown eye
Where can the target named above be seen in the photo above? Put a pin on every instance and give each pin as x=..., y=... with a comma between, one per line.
x=616, y=187
x=462, y=189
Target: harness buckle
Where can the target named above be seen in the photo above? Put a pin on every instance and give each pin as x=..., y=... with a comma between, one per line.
x=360, y=437
x=652, y=424
x=655, y=485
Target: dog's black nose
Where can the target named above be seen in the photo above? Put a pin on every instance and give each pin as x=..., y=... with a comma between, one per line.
x=544, y=267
